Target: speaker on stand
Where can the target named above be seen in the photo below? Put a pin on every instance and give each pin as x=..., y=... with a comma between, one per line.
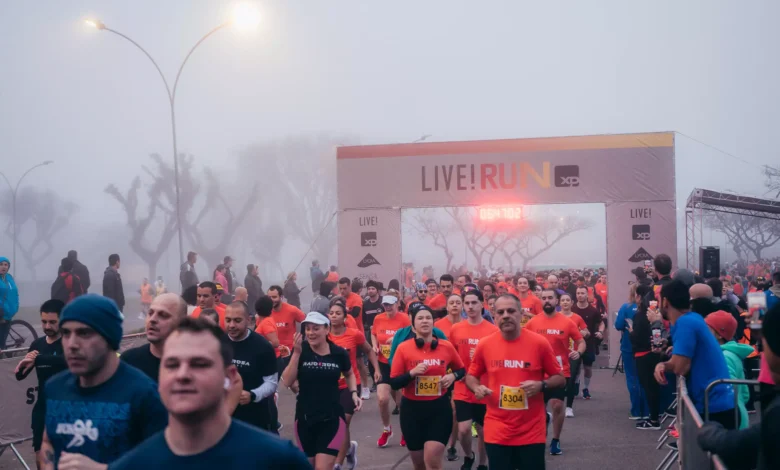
x=709, y=262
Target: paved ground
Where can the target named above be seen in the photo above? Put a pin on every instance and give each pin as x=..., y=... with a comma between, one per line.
x=600, y=436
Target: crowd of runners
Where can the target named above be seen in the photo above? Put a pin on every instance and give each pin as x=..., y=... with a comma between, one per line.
x=482, y=367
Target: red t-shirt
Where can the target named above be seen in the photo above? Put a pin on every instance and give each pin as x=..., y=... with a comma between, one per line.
x=285, y=319
x=445, y=325
x=437, y=302
x=354, y=300
x=220, y=308
x=426, y=386
x=350, y=340
x=265, y=326
x=384, y=329
x=532, y=305
x=465, y=337
x=513, y=419
x=559, y=331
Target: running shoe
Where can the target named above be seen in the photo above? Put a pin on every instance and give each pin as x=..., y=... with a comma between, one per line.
x=648, y=425
x=671, y=411
x=674, y=434
x=352, y=455
x=468, y=462
x=474, y=432
x=672, y=445
x=555, y=447
x=403, y=441
x=452, y=454
x=385, y=437
x=397, y=411
x=365, y=394
x=373, y=389
x=569, y=412
x=585, y=394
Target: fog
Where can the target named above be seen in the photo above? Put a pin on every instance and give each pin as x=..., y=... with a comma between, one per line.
x=252, y=106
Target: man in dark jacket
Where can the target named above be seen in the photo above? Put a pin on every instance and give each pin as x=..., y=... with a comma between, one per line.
x=79, y=270
x=112, y=282
x=253, y=284
x=67, y=286
x=187, y=274
x=317, y=276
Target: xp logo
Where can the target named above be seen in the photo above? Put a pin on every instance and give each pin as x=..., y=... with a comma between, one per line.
x=567, y=176
x=367, y=261
x=367, y=238
x=640, y=232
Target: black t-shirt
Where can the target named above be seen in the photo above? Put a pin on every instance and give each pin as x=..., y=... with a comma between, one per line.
x=371, y=310
x=318, y=379
x=142, y=359
x=592, y=318
x=255, y=358
x=242, y=447
x=49, y=362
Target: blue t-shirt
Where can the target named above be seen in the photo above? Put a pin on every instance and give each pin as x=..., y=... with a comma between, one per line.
x=626, y=312
x=691, y=338
x=106, y=421
x=243, y=447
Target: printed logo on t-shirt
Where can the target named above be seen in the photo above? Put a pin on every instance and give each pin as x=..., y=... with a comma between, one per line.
x=511, y=364
x=550, y=332
x=281, y=325
x=79, y=429
x=429, y=362
x=320, y=365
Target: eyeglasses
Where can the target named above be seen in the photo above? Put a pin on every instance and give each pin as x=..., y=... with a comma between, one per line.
x=422, y=291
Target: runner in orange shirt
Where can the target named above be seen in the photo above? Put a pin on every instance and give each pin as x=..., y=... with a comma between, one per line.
x=531, y=304
x=207, y=298
x=266, y=325
x=465, y=336
x=420, y=368
x=351, y=339
x=433, y=290
x=382, y=332
x=439, y=303
x=566, y=302
x=515, y=365
x=285, y=316
x=454, y=311
x=559, y=331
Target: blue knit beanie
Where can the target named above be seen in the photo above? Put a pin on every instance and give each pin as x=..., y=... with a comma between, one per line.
x=100, y=313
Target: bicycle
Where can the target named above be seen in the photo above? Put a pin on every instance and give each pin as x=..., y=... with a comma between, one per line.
x=20, y=335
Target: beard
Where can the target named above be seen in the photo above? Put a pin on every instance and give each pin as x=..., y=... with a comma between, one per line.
x=548, y=308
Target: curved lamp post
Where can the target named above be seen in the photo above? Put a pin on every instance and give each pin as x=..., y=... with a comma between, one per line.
x=244, y=17
x=14, y=192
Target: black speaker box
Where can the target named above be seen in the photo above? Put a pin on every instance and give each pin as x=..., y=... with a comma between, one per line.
x=709, y=261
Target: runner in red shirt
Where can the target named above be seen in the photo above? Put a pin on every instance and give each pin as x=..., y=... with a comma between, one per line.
x=266, y=326
x=351, y=339
x=566, y=303
x=559, y=331
x=420, y=368
x=439, y=302
x=286, y=317
x=454, y=310
x=514, y=364
x=465, y=336
x=530, y=303
x=207, y=298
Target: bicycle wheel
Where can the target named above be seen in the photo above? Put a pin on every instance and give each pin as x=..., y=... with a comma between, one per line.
x=21, y=335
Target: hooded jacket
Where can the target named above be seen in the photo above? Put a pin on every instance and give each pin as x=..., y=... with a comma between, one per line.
x=735, y=353
x=9, y=294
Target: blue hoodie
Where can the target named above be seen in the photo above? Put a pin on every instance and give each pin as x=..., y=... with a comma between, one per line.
x=9, y=294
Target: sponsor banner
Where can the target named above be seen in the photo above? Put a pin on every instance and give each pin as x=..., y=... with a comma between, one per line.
x=370, y=244
x=636, y=233
x=17, y=398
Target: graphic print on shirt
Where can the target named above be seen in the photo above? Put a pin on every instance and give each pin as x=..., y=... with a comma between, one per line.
x=74, y=426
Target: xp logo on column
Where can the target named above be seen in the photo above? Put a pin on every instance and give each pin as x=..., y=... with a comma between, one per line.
x=368, y=239
x=567, y=176
x=367, y=261
x=640, y=232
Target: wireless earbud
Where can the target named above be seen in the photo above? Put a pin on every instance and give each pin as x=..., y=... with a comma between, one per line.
x=227, y=384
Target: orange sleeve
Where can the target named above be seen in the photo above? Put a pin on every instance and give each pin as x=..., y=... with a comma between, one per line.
x=399, y=363
x=477, y=367
x=360, y=338
x=299, y=315
x=455, y=361
x=574, y=331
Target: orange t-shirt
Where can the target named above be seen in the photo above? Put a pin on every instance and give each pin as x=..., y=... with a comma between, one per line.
x=601, y=290
x=445, y=325
x=285, y=320
x=350, y=322
x=354, y=300
x=532, y=305
x=559, y=331
x=514, y=420
x=384, y=329
x=350, y=340
x=437, y=302
x=220, y=311
x=265, y=326
x=425, y=387
x=581, y=325
x=465, y=337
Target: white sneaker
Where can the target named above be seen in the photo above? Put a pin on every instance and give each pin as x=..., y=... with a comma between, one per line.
x=569, y=412
x=365, y=394
x=351, y=457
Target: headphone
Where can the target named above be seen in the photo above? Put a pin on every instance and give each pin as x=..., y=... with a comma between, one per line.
x=420, y=343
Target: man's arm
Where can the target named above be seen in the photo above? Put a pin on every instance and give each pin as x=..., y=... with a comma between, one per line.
x=47, y=453
x=680, y=365
x=355, y=312
x=738, y=449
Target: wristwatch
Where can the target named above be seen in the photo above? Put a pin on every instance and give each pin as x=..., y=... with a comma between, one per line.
x=544, y=386
x=253, y=395
x=353, y=391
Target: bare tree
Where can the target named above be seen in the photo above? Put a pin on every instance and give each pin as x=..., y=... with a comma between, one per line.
x=427, y=225
x=482, y=240
x=267, y=245
x=43, y=212
x=537, y=236
x=753, y=234
x=772, y=183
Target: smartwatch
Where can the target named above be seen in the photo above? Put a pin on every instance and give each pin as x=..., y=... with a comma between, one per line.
x=544, y=386
x=253, y=395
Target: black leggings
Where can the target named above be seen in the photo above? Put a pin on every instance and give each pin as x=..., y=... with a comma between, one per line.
x=645, y=370
x=527, y=457
x=426, y=420
x=571, y=387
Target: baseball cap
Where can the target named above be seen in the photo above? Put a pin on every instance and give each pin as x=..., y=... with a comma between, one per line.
x=389, y=300
x=316, y=318
x=723, y=323
x=220, y=289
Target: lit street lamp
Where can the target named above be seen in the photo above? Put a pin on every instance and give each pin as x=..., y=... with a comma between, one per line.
x=245, y=16
x=14, y=192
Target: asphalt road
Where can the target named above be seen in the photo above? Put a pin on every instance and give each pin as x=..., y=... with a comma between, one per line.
x=600, y=436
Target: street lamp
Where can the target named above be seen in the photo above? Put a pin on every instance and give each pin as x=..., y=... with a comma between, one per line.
x=14, y=192
x=245, y=16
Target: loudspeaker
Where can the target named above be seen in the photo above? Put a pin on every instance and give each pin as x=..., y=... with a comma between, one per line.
x=709, y=262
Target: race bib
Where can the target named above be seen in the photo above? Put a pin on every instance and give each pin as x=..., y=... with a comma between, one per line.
x=385, y=350
x=512, y=398
x=427, y=386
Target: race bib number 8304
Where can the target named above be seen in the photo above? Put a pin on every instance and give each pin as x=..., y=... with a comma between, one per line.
x=512, y=398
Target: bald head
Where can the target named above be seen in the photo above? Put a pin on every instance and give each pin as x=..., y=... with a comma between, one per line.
x=700, y=291
x=552, y=281
x=166, y=311
x=241, y=294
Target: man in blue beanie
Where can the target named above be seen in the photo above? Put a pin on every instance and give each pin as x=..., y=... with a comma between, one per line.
x=100, y=408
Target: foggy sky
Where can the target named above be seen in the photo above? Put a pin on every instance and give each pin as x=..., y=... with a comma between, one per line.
x=386, y=72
